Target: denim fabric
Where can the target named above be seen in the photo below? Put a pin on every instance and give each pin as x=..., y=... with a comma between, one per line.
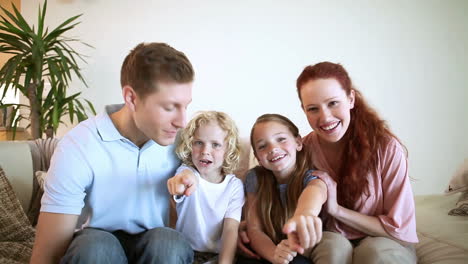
x=94, y=246
x=158, y=245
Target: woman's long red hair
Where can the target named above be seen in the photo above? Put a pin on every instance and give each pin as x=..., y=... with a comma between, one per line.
x=366, y=133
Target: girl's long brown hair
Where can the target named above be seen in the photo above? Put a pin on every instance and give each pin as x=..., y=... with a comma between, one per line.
x=273, y=214
x=366, y=133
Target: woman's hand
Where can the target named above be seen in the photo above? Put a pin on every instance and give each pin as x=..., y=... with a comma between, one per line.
x=332, y=203
x=304, y=232
x=243, y=241
x=283, y=254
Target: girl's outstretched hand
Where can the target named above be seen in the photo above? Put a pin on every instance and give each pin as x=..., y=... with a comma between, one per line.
x=332, y=203
x=283, y=253
x=304, y=231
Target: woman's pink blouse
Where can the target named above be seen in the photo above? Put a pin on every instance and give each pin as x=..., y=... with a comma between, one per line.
x=391, y=198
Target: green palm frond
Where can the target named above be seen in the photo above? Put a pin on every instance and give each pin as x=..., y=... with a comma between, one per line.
x=40, y=56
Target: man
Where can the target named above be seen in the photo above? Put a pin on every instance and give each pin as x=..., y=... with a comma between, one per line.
x=108, y=175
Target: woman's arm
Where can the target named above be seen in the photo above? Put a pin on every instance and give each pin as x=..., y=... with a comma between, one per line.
x=304, y=229
x=364, y=223
x=370, y=225
x=228, y=241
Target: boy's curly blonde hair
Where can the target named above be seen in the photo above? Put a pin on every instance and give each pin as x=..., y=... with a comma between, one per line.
x=232, y=155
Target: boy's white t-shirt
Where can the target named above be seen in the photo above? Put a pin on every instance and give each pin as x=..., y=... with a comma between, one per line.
x=200, y=216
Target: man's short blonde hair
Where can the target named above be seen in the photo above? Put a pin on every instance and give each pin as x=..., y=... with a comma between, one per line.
x=232, y=155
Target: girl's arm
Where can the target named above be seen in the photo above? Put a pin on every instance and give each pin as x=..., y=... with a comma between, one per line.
x=243, y=242
x=259, y=241
x=228, y=241
x=304, y=229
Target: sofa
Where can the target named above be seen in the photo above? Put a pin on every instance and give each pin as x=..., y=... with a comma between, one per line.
x=443, y=238
x=20, y=194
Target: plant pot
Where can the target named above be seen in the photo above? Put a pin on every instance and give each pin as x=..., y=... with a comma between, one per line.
x=49, y=132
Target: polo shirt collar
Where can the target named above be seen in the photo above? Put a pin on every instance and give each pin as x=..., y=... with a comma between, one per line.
x=105, y=126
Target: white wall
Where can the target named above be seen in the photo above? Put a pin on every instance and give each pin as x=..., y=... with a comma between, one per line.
x=407, y=57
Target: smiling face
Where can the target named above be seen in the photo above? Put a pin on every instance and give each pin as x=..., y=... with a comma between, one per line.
x=159, y=115
x=327, y=107
x=276, y=148
x=208, y=150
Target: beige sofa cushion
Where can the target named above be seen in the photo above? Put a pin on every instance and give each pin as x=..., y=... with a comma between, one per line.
x=443, y=238
x=16, y=161
x=41, y=153
x=16, y=232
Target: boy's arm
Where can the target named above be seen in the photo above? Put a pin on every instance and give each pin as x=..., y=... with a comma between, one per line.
x=228, y=241
x=54, y=233
x=172, y=213
x=259, y=241
x=183, y=183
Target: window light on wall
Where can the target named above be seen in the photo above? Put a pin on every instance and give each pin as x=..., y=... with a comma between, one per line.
x=5, y=113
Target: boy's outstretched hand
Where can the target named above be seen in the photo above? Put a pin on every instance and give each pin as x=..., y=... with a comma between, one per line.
x=184, y=183
x=304, y=232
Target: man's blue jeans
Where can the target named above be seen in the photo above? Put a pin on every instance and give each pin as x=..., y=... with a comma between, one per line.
x=158, y=245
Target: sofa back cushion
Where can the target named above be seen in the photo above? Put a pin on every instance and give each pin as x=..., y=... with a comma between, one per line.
x=15, y=159
x=41, y=153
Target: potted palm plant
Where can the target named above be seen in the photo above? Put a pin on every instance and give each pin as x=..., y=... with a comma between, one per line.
x=40, y=57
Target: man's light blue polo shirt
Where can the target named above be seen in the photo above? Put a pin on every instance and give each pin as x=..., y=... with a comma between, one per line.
x=111, y=183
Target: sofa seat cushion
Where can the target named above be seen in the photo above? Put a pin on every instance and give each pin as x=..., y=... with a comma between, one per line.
x=443, y=238
x=16, y=232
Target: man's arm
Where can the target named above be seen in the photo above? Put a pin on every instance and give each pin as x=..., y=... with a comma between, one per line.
x=54, y=233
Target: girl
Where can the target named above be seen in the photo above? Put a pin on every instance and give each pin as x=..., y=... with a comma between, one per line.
x=209, y=217
x=282, y=195
x=370, y=207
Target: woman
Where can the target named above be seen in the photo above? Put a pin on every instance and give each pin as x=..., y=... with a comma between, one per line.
x=369, y=215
